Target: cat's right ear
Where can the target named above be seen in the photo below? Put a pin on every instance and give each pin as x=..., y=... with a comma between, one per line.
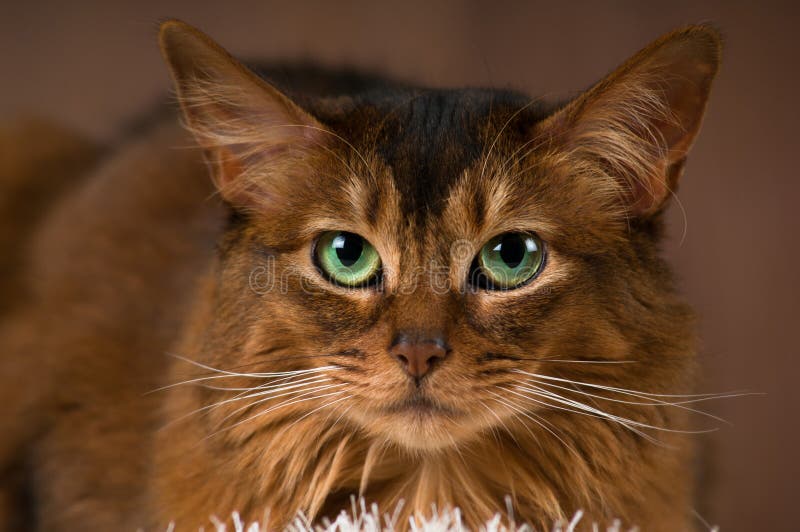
x=253, y=135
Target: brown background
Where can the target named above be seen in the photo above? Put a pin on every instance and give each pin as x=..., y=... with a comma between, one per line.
x=94, y=64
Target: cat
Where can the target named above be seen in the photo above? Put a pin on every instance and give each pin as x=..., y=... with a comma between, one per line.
x=437, y=296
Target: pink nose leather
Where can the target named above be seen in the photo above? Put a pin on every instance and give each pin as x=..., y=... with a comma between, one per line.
x=418, y=358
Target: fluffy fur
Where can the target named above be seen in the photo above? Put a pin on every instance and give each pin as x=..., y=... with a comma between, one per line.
x=270, y=387
x=361, y=517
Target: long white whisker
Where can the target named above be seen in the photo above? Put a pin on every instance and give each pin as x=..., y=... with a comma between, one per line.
x=495, y=433
x=236, y=374
x=537, y=420
x=242, y=396
x=629, y=392
x=506, y=427
x=647, y=401
x=541, y=392
x=273, y=392
x=585, y=413
x=266, y=386
x=271, y=396
x=613, y=417
x=226, y=374
x=341, y=416
x=252, y=375
x=190, y=381
x=283, y=404
x=318, y=409
x=271, y=384
x=563, y=361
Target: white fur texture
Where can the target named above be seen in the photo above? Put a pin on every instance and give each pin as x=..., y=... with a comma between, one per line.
x=362, y=518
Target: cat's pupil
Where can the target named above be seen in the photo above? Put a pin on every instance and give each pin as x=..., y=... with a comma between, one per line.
x=512, y=250
x=349, y=248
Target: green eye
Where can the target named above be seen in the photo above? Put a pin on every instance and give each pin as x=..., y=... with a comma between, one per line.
x=508, y=261
x=347, y=259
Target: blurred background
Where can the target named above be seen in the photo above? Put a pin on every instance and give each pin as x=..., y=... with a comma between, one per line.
x=93, y=65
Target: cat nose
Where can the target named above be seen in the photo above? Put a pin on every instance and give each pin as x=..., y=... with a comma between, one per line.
x=418, y=357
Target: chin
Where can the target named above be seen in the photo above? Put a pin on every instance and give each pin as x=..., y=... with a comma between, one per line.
x=420, y=426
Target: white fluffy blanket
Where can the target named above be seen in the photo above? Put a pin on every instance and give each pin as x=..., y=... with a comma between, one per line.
x=371, y=519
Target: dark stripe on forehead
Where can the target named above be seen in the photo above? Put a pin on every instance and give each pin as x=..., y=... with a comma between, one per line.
x=427, y=138
x=432, y=139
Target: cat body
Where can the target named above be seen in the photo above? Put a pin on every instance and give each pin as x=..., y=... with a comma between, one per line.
x=186, y=349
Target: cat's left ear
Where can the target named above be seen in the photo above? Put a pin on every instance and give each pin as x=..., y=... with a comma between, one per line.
x=638, y=123
x=256, y=139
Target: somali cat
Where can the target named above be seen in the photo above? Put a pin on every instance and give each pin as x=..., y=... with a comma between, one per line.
x=444, y=297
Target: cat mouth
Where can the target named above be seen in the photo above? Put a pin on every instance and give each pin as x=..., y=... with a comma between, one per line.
x=421, y=423
x=421, y=406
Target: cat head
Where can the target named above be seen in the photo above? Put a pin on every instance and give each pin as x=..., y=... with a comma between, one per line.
x=427, y=265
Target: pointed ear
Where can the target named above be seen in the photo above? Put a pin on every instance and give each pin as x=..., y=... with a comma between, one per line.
x=638, y=123
x=254, y=136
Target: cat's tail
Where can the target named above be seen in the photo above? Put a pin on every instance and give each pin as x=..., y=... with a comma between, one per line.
x=39, y=161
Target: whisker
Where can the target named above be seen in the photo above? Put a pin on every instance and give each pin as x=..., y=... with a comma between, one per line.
x=256, y=392
x=561, y=361
x=221, y=374
x=585, y=413
x=652, y=401
x=267, y=386
x=259, y=363
x=189, y=381
x=584, y=408
x=502, y=129
x=235, y=374
x=541, y=392
x=272, y=383
x=240, y=397
x=341, y=415
x=212, y=377
x=508, y=430
x=492, y=428
x=271, y=396
x=536, y=420
x=298, y=420
x=283, y=404
x=629, y=392
x=505, y=166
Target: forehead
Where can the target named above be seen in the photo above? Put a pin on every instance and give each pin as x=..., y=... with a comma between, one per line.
x=428, y=138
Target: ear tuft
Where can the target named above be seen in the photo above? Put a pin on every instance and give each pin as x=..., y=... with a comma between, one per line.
x=252, y=133
x=638, y=124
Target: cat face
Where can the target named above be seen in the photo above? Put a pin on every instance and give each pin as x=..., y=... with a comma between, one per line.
x=430, y=210
x=434, y=265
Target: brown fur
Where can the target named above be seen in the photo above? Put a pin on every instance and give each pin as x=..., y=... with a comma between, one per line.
x=125, y=274
x=38, y=162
